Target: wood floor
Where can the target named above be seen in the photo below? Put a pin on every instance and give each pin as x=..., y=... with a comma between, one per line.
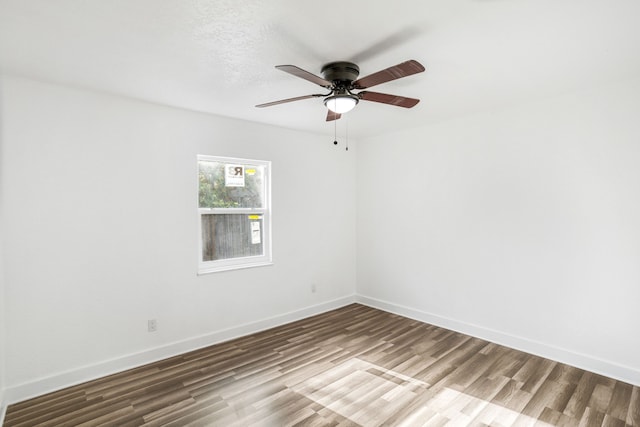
x=355, y=366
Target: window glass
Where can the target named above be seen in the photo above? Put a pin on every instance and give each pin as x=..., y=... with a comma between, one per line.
x=231, y=236
x=228, y=185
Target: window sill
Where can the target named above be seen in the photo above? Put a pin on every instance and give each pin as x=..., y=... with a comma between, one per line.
x=208, y=270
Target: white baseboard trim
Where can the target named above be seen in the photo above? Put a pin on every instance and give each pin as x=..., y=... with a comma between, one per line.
x=582, y=361
x=79, y=375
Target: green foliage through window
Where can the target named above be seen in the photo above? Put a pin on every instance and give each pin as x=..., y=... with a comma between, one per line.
x=214, y=193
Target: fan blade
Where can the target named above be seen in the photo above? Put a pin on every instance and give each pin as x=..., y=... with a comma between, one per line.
x=332, y=116
x=283, y=101
x=386, y=44
x=398, y=101
x=299, y=72
x=403, y=69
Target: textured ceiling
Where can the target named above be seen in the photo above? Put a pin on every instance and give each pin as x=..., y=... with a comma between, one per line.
x=219, y=56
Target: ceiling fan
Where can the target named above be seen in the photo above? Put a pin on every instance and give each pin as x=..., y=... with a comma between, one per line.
x=341, y=78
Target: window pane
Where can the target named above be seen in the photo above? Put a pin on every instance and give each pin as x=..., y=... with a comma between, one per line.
x=227, y=185
x=227, y=236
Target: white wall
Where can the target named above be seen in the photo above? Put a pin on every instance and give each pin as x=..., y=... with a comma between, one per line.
x=521, y=226
x=101, y=232
x=3, y=345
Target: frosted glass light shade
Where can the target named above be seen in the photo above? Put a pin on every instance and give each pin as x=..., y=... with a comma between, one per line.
x=341, y=103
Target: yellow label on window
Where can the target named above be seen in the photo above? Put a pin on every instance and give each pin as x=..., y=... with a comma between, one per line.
x=255, y=216
x=250, y=171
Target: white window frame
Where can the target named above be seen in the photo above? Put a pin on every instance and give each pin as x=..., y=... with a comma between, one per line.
x=205, y=267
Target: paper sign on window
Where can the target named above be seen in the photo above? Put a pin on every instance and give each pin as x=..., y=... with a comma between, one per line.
x=255, y=232
x=234, y=175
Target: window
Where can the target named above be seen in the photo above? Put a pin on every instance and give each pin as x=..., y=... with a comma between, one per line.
x=235, y=213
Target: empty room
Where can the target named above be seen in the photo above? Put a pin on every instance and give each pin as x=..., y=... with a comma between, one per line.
x=348, y=213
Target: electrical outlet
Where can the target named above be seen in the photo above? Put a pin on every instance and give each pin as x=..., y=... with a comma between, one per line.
x=152, y=325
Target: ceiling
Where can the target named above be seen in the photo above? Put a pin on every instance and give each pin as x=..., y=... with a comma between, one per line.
x=218, y=56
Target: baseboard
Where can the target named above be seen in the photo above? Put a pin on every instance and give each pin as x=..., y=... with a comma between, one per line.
x=62, y=380
x=87, y=373
x=582, y=361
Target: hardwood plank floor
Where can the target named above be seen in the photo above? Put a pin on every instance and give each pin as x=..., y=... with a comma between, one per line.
x=355, y=366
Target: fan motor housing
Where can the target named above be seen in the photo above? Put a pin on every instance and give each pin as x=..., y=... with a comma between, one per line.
x=340, y=71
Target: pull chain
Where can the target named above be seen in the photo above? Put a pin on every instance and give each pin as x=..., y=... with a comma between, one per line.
x=335, y=133
x=347, y=133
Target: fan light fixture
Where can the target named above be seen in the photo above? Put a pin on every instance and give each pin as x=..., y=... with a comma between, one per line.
x=341, y=103
x=341, y=79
